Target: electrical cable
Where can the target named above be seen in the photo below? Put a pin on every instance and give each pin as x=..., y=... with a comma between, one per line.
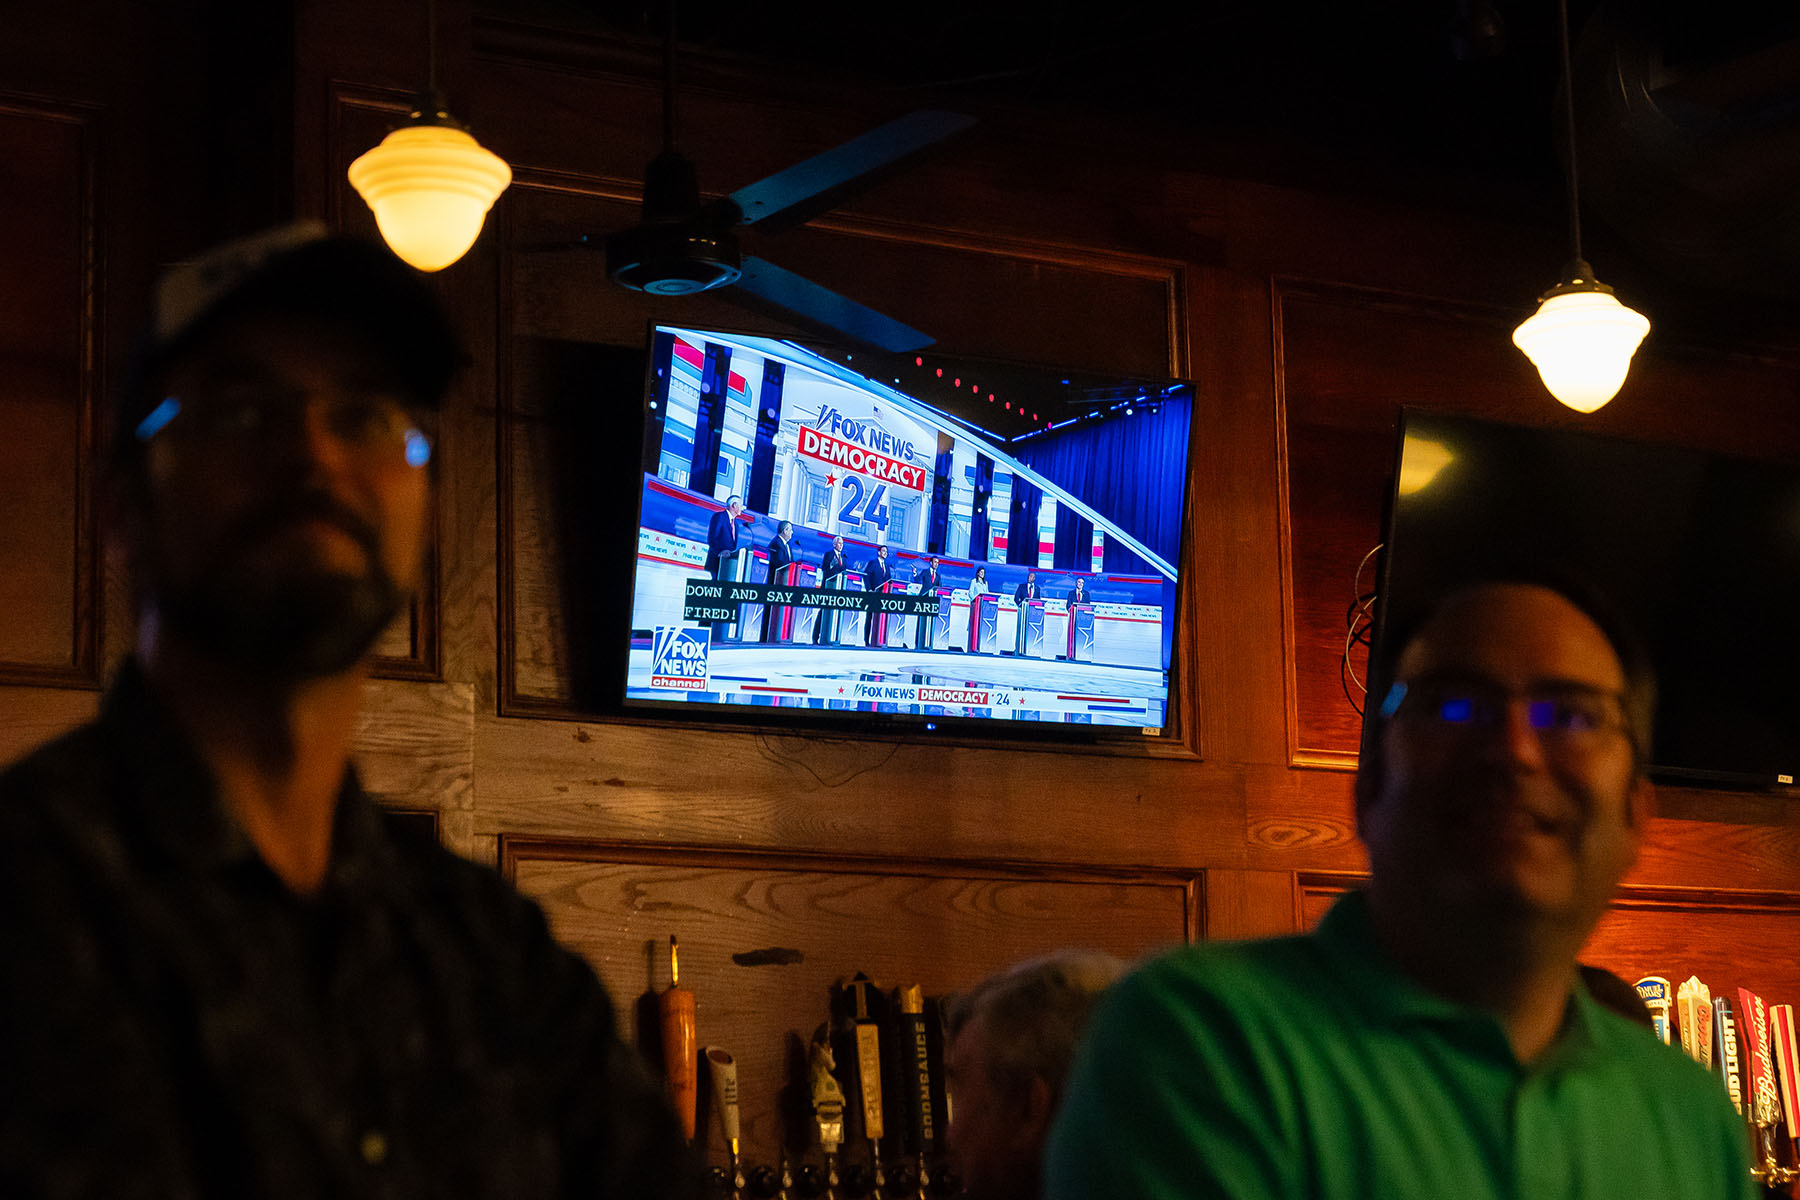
x=774, y=755
x=1359, y=623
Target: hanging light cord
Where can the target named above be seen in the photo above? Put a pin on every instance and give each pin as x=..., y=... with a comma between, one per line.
x=1568, y=74
x=431, y=82
x=669, y=78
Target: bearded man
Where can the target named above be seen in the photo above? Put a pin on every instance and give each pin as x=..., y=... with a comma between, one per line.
x=226, y=975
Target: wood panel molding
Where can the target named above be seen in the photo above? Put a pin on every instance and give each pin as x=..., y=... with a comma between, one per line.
x=50, y=369
x=1284, y=293
x=515, y=849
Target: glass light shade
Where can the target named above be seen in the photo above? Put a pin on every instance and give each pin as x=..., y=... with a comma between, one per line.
x=431, y=187
x=1581, y=342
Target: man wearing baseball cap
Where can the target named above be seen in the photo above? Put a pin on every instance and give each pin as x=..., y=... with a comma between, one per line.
x=226, y=975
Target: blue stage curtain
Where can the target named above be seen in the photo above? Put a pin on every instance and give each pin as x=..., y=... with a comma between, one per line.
x=1132, y=470
x=1021, y=539
x=1074, y=540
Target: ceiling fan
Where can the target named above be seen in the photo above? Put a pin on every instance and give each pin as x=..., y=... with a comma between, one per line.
x=683, y=246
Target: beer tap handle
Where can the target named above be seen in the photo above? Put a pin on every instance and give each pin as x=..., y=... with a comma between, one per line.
x=828, y=1105
x=722, y=1069
x=679, y=1042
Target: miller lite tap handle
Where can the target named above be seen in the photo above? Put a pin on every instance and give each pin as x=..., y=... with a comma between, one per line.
x=680, y=1042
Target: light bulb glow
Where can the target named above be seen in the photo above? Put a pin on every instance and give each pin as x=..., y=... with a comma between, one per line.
x=431, y=187
x=1582, y=343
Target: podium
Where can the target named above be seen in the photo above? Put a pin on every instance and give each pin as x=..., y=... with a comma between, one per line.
x=984, y=622
x=845, y=626
x=731, y=569
x=791, y=622
x=934, y=630
x=1081, y=633
x=890, y=628
x=1031, y=629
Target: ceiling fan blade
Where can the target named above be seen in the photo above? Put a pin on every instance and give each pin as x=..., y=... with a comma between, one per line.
x=815, y=305
x=806, y=189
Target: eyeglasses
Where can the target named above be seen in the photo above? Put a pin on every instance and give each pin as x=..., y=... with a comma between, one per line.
x=1567, y=718
x=376, y=425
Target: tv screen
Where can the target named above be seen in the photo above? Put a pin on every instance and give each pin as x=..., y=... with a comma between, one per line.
x=838, y=536
x=1699, y=552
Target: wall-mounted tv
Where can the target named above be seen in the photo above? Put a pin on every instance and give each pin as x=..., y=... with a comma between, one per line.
x=835, y=536
x=1700, y=552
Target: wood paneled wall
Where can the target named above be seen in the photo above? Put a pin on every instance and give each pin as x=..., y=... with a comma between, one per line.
x=1307, y=321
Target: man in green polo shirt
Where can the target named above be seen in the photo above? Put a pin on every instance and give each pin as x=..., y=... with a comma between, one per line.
x=1430, y=1039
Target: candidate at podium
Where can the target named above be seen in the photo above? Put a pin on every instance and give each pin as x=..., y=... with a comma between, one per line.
x=831, y=575
x=927, y=582
x=978, y=587
x=1028, y=590
x=781, y=556
x=1076, y=598
x=722, y=537
x=875, y=577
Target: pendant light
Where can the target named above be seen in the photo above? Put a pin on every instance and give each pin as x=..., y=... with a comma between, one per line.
x=1581, y=338
x=429, y=182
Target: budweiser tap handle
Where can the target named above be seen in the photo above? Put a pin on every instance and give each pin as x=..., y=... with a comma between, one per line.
x=1753, y=1037
x=680, y=1041
x=1787, y=1064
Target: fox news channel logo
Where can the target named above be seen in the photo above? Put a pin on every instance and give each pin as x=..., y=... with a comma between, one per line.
x=678, y=658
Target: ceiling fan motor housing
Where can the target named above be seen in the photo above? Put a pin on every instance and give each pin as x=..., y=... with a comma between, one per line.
x=676, y=259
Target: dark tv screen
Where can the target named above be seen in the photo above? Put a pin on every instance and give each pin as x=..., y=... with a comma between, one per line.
x=1699, y=552
x=968, y=544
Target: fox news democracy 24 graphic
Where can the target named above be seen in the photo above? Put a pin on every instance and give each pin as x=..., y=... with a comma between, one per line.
x=931, y=565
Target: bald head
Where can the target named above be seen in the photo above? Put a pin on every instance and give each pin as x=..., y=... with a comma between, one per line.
x=1500, y=784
